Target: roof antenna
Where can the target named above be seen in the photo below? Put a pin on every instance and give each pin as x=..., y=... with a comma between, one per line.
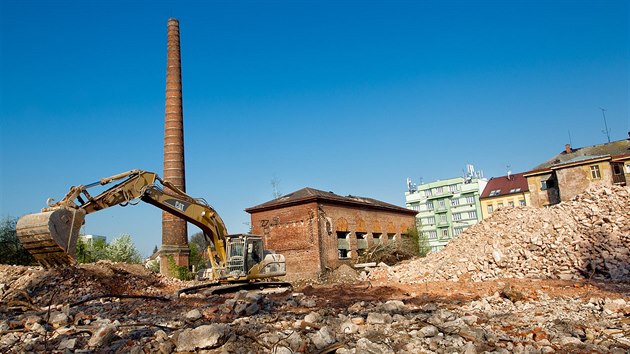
x=607, y=131
x=570, y=142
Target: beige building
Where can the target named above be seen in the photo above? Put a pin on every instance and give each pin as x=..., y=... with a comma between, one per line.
x=504, y=192
x=572, y=171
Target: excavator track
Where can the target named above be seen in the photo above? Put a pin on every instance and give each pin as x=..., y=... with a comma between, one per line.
x=51, y=236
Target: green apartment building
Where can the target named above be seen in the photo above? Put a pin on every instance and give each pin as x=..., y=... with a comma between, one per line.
x=446, y=207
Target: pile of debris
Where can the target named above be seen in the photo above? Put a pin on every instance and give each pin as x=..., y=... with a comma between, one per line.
x=344, y=319
x=587, y=237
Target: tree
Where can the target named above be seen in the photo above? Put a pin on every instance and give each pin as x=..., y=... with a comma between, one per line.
x=84, y=254
x=98, y=250
x=199, y=240
x=155, y=250
x=122, y=249
x=11, y=250
x=198, y=250
x=420, y=241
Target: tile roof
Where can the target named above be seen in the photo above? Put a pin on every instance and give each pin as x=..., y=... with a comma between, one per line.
x=517, y=183
x=306, y=195
x=613, y=149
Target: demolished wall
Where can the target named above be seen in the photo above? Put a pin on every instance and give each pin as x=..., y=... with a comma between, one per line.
x=588, y=236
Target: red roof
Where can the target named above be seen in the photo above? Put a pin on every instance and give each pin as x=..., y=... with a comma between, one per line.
x=504, y=185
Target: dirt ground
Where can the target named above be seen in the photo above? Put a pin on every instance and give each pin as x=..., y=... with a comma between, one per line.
x=75, y=284
x=340, y=295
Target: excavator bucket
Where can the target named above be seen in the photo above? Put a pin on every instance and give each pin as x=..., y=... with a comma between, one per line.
x=51, y=236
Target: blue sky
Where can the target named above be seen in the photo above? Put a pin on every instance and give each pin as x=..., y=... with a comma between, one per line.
x=346, y=96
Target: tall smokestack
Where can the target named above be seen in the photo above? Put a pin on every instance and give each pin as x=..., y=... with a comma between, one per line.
x=174, y=231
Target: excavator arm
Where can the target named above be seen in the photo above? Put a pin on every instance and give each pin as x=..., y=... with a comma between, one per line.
x=50, y=236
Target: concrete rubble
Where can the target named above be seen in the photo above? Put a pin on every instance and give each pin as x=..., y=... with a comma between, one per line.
x=76, y=310
x=587, y=237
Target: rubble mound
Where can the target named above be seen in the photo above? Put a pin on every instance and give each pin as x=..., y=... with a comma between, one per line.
x=342, y=274
x=37, y=285
x=586, y=237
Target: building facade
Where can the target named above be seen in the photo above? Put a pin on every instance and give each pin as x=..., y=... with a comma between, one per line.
x=446, y=208
x=572, y=171
x=504, y=192
x=317, y=230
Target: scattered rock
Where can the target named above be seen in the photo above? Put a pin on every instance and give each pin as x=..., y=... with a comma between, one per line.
x=102, y=336
x=202, y=337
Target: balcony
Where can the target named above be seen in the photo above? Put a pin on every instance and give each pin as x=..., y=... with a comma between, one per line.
x=445, y=194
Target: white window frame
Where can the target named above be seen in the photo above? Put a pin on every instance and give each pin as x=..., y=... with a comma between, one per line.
x=595, y=172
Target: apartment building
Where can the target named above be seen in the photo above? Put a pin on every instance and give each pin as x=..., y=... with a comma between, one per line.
x=446, y=207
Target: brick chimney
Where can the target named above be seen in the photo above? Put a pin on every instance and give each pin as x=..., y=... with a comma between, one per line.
x=174, y=231
x=567, y=148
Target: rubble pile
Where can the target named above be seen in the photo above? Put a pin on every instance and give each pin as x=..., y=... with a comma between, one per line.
x=312, y=322
x=120, y=308
x=587, y=237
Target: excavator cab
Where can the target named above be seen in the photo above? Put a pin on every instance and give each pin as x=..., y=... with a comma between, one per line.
x=247, y=259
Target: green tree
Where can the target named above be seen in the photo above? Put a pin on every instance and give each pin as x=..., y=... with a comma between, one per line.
x=122, y=249
x=423, y=245
x=98, y=250
x=84, y=254
x=410, y=241
x=11, y=250
x=198, y=250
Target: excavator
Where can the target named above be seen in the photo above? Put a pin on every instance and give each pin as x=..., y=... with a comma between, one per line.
x=51, y=235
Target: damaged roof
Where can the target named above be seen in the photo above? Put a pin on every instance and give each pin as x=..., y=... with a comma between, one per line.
x=612, y=149
x=307, y=195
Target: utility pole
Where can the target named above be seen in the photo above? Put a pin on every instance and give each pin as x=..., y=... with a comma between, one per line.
x=607, y=131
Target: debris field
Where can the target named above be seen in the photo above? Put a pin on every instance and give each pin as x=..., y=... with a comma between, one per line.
x=526, y=280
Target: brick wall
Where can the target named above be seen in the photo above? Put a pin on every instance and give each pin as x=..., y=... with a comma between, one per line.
x=292, y=232
x=355, y=220
x=306, y=234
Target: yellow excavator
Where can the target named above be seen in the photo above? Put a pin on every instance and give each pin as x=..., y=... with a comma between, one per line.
x=51, y=236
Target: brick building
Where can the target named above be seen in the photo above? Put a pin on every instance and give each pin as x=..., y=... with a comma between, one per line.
x=317, y=230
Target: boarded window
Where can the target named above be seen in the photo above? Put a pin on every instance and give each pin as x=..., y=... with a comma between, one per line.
x=361, y=242
x=343, y=246
x=377, y=238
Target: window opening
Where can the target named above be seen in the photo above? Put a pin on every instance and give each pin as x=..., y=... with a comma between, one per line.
x=343, y=246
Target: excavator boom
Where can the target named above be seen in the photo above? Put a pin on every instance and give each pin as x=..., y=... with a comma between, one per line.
x=51, y=236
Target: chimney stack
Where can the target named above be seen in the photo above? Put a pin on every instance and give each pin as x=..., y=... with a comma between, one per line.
x=174, y=231
x=567, y=148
